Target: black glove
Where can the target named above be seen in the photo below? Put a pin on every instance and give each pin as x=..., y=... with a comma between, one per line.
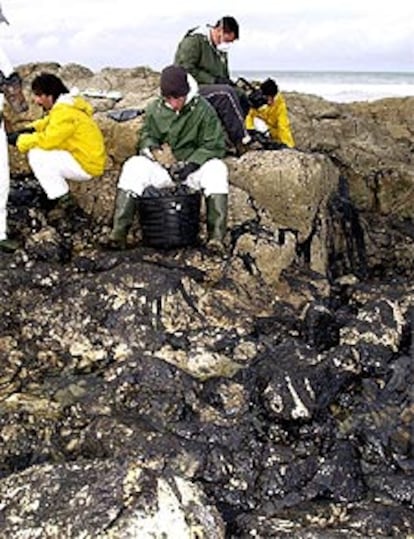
x=180, y=171
x=273, y=145
x=14, y=135
x=12, y=138
x=265, y=141
x=223, y=80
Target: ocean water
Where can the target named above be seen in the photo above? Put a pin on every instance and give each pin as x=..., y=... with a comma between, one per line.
x=339, y=86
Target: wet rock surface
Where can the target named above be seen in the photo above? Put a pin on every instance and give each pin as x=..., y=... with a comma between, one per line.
x=184, y=394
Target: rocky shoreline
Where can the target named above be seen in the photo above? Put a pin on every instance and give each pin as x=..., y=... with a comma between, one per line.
x=268, y=393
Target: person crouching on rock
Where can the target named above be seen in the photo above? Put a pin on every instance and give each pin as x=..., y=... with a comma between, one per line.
x=270, y=117
x=66, y=144
x=185, y=121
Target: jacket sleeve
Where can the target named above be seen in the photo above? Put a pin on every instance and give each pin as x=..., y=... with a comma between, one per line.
x=149, y=135
x=249, y=120
x=284, y=133
x=50, y=134
x=188, y=56
x=211, y=141
x=40, y=124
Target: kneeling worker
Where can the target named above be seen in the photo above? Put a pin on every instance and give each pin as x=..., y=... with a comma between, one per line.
x=272, y=117
x=185, y=121
x=65, y=144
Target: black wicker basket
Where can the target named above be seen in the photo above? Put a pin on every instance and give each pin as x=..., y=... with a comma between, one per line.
x=170, y=221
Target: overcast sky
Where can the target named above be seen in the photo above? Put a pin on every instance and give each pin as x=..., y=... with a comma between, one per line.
x=355, y=35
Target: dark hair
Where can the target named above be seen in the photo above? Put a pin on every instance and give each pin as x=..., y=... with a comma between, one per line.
x=269, y=87
x=48, y=84
x=229, y=25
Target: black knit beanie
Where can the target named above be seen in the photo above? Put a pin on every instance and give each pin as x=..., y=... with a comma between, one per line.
x=174, y=82
x=269, y=87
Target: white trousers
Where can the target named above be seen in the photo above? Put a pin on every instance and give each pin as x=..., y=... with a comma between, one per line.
x=139, y=172
x=260, y=125
x=53, y=167
x=4, y=182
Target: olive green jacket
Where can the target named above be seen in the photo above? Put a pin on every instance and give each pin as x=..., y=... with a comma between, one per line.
x=195, y=134
x=201, y=58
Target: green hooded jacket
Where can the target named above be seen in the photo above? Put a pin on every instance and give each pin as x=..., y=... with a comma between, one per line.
x=195, y=134
x=201, y=58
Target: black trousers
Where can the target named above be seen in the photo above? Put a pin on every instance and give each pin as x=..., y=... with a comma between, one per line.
x=226, y=102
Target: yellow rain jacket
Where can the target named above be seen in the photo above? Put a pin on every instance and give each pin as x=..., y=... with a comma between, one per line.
x=276, y=118
x=69, y=126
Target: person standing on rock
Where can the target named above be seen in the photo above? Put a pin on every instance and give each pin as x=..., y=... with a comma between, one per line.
x=182, y=119
x=8, y=88
x=66, y=144
x=203, y=52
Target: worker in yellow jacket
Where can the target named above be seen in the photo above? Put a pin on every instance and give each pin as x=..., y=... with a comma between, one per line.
x=66, y=144
x=272, y=117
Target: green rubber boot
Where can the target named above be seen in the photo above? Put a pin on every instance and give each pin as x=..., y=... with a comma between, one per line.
x=216, y=208
x=62, y=207
x=8, y=246
x=125, y=207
